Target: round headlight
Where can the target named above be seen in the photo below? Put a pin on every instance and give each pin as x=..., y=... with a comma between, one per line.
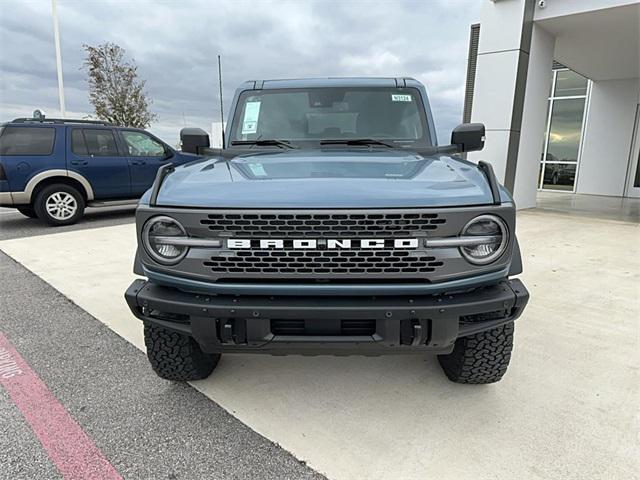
x=492, y=241
x=158, y=236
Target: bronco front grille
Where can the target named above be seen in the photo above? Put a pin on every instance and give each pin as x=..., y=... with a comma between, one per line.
x=322, y=262
x=347, y=225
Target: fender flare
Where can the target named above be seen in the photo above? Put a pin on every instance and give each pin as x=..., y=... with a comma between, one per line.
x=516, y=259
x=36, y=179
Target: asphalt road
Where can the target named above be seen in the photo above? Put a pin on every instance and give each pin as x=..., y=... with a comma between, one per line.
x=15, y=225
x=146, y=427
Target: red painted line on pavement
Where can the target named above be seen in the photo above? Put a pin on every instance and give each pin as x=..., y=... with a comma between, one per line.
x=69, y=447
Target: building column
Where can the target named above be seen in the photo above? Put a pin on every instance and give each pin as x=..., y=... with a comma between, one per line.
x=510, y=58
x=534, y=118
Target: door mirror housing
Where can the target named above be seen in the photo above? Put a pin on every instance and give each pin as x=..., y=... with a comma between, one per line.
x=468, y=137
x=194, y=140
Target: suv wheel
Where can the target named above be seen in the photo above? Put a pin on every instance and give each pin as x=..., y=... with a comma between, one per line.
x=178, y=357
x=28, y=211
x=480, y=358
x=59, y=204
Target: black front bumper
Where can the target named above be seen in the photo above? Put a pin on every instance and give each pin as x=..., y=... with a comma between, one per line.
x=328, y=325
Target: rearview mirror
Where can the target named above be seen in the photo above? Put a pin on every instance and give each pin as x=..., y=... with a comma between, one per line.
x=468, y=137
x=193, y=140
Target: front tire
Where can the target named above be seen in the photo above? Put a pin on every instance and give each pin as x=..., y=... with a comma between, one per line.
x=175, y=356
x=480, y=358
x=59, y=204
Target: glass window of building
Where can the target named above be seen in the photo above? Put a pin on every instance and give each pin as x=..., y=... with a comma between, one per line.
x=565, y=130
x=569, y=84
x=563, y=135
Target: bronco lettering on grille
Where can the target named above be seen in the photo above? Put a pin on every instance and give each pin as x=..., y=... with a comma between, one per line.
x=324, y=243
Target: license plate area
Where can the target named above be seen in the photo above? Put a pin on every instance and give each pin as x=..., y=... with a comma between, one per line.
x=323, y=327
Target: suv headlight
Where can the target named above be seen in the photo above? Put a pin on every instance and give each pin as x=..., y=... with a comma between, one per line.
x=492, y=241
x=161, y=239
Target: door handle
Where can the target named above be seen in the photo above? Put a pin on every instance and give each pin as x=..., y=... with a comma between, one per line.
x=138, y=162
x=79, y=162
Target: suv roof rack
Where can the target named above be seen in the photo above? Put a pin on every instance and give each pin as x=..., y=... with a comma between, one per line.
x=61, y=121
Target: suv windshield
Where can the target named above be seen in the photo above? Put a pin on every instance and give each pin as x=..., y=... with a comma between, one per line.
x=310, y=116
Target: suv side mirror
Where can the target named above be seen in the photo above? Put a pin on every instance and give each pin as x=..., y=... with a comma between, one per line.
x=468, y=137
x=193, y=140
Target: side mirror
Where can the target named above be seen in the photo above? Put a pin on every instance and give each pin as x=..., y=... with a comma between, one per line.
x=468, y=137
x=193, y=140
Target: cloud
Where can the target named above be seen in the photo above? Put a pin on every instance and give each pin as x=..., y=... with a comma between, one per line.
x=175, y=45
x=372, y=63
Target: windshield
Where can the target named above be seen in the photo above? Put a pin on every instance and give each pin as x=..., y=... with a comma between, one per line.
x=312, y=115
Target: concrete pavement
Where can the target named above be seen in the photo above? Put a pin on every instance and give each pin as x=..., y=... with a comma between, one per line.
x=146, y=427
x=15, y=225
x=567, y=408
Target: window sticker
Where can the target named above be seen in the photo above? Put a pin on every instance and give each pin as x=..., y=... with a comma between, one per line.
x=250, y=120
x=257, y=169
x=400, y=98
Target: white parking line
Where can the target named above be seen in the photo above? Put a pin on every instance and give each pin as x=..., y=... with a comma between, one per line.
x=566, y=408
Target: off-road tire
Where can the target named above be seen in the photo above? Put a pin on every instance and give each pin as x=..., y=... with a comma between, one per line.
x=177, y=357
x=480, y=358
x=40, y=207
x=28, y=211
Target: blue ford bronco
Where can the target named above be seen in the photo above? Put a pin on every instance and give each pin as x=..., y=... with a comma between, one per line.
x=330, y=223
x=52, y=168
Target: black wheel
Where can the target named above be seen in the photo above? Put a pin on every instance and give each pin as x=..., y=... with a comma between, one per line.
x=480, y=358
x=175, y=356
x=28, y=211
x=59, y=204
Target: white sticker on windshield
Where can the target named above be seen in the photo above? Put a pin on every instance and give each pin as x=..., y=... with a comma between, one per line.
x=400, y=98
x=250, y=120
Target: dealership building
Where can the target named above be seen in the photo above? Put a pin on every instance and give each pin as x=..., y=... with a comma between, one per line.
x=557, y=85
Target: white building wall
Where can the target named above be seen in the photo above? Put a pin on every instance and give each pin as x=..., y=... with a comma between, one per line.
x=576, y=29
x=499, y=51
x=539, y=77
x=608, y=135
x=493, y=105
x=562, y=8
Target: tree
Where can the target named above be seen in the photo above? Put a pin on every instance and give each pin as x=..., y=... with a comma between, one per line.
x=115, y=91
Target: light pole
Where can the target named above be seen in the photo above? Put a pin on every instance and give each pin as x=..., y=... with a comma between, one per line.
x=56, y=36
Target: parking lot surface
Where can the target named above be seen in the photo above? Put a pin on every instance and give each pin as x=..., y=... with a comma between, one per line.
x=567, y=408
x=145, y=427
x=15, y=225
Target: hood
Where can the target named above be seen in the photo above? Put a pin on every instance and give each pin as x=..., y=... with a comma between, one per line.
x=326, y=178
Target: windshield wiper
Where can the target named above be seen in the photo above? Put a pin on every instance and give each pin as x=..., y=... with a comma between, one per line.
x=267, y=142
x=356, y=141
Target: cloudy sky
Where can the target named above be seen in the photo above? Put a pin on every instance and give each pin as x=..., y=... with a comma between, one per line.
x=175, y=44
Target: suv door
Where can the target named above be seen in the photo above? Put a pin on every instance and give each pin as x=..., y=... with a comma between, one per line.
x=145, y=155
x=93, y=153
